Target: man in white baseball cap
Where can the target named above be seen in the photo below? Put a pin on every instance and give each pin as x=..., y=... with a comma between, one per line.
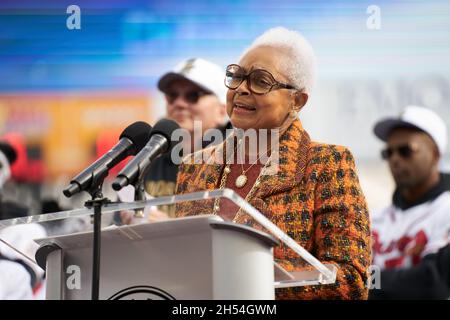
x=416, y=117
x=409, y=235
x=194, y=91
x=205, y=74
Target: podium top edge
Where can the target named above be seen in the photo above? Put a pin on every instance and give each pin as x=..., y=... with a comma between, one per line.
x=157, y=229
x=264, y=237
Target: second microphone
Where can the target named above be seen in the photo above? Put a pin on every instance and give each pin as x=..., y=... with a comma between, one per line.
x=160, y=142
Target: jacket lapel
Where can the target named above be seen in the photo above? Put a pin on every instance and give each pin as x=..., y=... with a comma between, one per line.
x=293, y=153
x=208, y=174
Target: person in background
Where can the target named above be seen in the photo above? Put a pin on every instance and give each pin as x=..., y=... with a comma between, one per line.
x=8, y=156
x=411, y=236
x=194, y=91
x=20, y=278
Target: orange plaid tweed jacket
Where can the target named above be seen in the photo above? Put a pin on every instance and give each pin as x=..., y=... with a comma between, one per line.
x=316, y=199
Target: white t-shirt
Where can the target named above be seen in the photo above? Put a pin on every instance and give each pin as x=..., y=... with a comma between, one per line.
x=14, y=281
x=401, y=238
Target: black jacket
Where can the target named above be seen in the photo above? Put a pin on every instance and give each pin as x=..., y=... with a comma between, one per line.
x=162, y=175
x=165, y=171
x=10, y=210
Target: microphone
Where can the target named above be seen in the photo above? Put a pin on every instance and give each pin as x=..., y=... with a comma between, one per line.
x=160, y=142
x=131, y=141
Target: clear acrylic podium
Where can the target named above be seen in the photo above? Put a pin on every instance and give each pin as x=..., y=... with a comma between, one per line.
x=196, y=257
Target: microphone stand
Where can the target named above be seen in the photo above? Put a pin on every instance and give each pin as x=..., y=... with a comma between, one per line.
x=139, y=194
x=97, y=202
x=139, y=191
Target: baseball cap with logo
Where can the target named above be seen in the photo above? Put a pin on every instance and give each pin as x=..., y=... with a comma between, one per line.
x=207, y=75
x=419, y=118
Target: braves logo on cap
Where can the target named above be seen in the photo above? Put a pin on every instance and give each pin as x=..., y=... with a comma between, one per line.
x=188, y=66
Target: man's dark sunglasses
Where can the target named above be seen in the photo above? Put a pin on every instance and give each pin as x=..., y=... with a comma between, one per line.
x=405, y=151
x=190, y=96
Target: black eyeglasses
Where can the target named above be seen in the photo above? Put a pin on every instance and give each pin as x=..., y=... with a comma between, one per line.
x=190, y=96
x=405, y=151
x=259, y=81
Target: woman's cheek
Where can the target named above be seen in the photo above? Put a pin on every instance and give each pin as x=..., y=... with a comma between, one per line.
x=230, y=98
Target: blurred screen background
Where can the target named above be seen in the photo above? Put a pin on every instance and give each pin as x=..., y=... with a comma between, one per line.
x=66, y=93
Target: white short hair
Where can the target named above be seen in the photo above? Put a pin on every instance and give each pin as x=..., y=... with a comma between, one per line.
x=300, y=65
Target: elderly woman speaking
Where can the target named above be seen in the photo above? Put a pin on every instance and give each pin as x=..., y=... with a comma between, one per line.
x=315, y=195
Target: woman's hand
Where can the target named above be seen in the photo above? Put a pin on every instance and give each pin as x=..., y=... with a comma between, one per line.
x=157, y=215
x=150, y=215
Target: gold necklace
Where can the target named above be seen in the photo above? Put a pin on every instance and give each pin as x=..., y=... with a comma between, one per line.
x=223, y=181
x=242, y=179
